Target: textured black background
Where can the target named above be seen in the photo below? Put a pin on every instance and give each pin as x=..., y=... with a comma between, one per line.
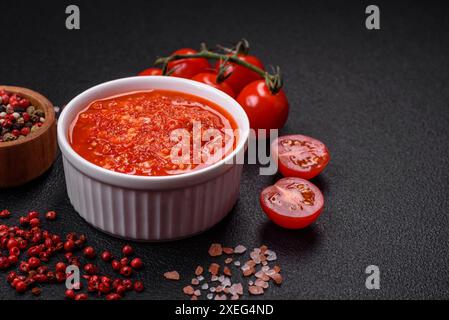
x=378, y=99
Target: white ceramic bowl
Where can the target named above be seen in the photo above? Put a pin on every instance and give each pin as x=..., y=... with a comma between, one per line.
x=160, y=207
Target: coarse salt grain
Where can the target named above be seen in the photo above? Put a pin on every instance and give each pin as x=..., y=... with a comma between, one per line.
x=262, y=275
x=271, y=255
x=239, y=249
x=251, y=263
x=214, y=268
x=172, y=275
x=270, y=272
x=200, y=278
x=277, y=278
x=227, y=271
x=215, y=250
x=228, y=250
x=226, y=282
x=199, y=270
x=255, y=290
x=261, y=283
x=188, y=290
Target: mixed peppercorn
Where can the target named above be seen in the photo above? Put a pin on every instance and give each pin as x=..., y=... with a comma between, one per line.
x=35, y=247
x=18, y=118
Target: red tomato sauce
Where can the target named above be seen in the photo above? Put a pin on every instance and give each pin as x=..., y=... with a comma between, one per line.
x=133, y=133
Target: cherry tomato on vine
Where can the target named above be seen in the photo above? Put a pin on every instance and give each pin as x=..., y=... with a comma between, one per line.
x=265, y=110
x=151, y=72
x=241, y=76
x=187, y=68
x=210, y=78
x=292, y=203
x=300, y=156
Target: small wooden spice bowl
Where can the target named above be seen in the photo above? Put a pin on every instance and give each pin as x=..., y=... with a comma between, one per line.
x=23, y=160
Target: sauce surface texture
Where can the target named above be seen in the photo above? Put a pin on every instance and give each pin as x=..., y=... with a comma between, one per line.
x=134, y=133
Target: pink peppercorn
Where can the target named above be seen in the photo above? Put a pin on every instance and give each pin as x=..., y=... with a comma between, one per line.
x=81, y=296
x=33, y=215
x=116, y=265
x=69, y=245
x=127, y=250
x=89, y=252
x=34, y=262
x=126, y=271
x=21, y=286
x=136, y=263
x=113, y=296
x=70, y=294
x=138, y=286
x=106, y=256
x=5, y=214
x=35, y=222
x=60, y=267
x=50, y=215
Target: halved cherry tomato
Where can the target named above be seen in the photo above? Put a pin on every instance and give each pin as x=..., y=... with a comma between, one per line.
x=151, y=72
x=264, y=109
x=300, y=156
x=187, y=68
x=210, y=78
x=292, y=203
x=241, y=76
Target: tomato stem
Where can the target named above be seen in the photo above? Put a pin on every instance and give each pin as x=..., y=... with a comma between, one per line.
x=274, y=81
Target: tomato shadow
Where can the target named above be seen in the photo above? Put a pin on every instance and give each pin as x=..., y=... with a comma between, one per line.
x=290, y=242
x=276, y=177
x=321, y=183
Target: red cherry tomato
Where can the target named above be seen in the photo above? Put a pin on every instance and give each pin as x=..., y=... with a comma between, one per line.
x=187, y=68
x=264, y=109
x=241, y=76
x=210, y=78
x=292, y=203
x=151, y=72
x=300, y=156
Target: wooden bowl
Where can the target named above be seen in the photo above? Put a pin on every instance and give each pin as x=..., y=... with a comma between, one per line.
x=23, y=160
